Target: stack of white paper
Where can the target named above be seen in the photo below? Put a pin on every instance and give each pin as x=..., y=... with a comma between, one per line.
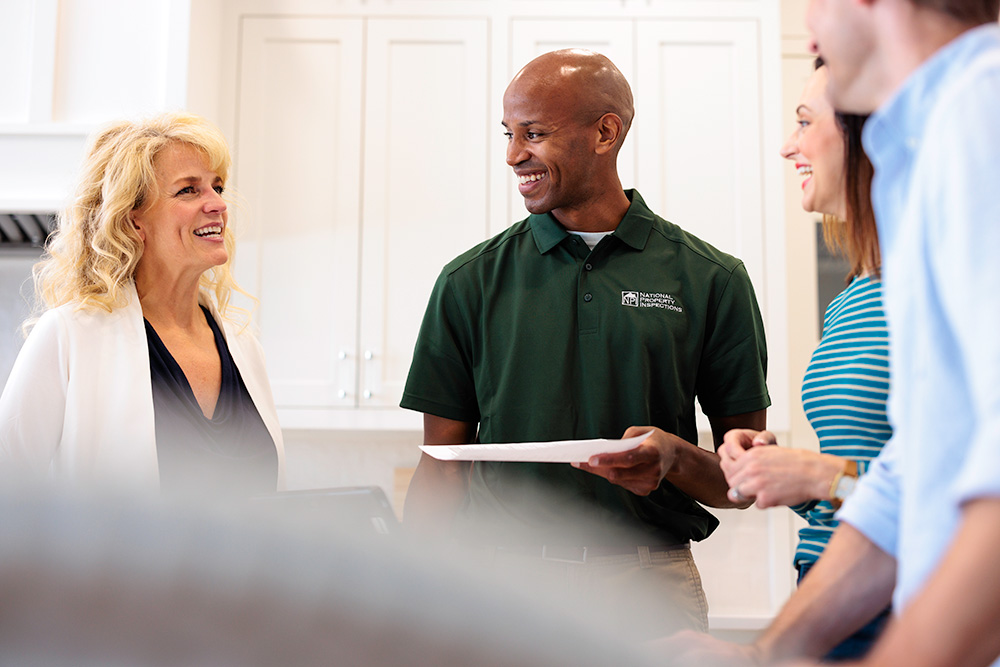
x=559, y=451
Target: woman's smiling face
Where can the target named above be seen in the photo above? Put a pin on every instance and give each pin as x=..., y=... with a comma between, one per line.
x=182, y=226
x=817, y=149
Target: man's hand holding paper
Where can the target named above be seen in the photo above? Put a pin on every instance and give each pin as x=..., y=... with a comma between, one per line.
x=639, y=470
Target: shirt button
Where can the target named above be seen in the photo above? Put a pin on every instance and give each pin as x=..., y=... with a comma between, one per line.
x=588, y=266
x=588, y=296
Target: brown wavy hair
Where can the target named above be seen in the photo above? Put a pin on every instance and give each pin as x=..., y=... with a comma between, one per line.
x=856, y=239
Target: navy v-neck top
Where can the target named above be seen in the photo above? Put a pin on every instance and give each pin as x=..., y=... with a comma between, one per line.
x=230, y=455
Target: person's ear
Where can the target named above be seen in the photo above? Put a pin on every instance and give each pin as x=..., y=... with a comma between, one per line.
x=137, y=225
x=610, y=128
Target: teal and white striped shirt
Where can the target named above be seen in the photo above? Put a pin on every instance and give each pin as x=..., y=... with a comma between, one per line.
x=844, y=395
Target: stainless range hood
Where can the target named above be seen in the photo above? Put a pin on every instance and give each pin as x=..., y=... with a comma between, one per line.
x=25, y=230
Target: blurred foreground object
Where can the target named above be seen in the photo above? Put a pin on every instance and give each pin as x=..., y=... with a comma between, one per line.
x=94, y=581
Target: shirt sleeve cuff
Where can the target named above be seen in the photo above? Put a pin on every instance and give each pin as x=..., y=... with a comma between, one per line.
x=873, y=508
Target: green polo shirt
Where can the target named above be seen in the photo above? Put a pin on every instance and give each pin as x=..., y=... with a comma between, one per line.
x=536, y=337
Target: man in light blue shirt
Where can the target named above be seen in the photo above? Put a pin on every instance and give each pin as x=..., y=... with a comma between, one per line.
x=925, y=521
x=935, y=145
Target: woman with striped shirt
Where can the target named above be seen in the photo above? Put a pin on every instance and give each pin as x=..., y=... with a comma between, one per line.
x=847, y=381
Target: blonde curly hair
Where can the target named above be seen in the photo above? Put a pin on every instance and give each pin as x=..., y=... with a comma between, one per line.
x=91, y=257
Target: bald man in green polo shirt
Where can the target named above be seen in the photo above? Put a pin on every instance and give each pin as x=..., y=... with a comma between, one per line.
x=592, y=318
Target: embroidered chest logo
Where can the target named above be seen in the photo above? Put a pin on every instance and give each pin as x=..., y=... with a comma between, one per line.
x=651, y=300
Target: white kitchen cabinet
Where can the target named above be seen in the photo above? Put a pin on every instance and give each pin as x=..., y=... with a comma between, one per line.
x=424, y=194
x=298, y=166
x=362, y=156
x=700, y=159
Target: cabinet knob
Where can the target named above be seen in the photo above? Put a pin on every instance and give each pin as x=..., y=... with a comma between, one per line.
x=342, y=355
x=368, y=393
x=368, y=355
x=342, y=394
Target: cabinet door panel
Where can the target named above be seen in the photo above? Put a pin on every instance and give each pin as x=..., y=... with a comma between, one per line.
x=425, y=167
x=298, y=153
x=111, y=67
x=700, y=161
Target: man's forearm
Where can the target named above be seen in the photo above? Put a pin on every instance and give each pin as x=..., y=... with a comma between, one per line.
x=438, y=487
x=696, y=472
x=954, y=619
x=434, y=496
x=850, y=583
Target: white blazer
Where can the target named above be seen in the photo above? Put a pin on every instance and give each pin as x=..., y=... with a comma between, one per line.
x=78, y=406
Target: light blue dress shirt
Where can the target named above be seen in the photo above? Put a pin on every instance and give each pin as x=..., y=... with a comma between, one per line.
x=936, y=150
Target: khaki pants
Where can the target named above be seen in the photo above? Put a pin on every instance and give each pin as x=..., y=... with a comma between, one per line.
x=641, y=595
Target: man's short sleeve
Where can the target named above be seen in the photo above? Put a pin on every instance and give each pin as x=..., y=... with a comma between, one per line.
x=733, y=369
x=440, y=381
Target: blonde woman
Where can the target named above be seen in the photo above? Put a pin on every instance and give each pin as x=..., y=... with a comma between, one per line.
x=133, y=374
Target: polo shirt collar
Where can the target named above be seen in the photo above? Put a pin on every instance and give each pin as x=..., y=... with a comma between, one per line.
x=633, y=230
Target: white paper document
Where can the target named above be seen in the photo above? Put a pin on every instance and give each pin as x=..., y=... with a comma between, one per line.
x=559, y=451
